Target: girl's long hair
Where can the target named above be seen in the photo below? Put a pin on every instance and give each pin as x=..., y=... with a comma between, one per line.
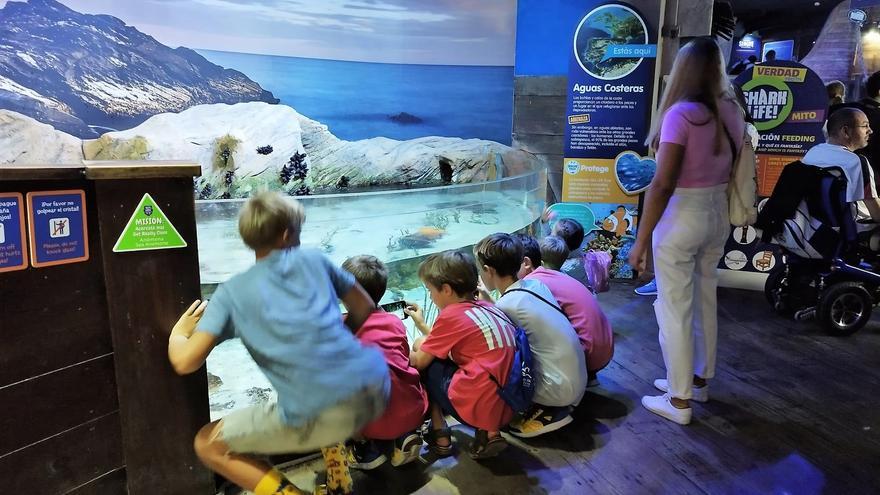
x=697, y=75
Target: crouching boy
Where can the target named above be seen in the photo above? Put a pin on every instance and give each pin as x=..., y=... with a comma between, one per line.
x=577, y=302
x=558, y=362
x=285, y=309
x=464, y=357
x=395, y=430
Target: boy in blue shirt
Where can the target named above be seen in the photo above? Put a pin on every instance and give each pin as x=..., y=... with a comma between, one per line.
x=285, y=310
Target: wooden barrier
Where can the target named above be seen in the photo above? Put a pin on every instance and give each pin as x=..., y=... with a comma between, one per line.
x=89, y=401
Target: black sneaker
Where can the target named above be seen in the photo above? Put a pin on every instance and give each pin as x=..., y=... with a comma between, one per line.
x=365, y=456
x=540, y=420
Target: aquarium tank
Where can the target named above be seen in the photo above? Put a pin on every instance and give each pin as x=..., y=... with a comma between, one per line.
x=401, y=227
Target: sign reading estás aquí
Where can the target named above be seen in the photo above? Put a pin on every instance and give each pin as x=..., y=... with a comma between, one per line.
x=611, y=70
x=611, y=73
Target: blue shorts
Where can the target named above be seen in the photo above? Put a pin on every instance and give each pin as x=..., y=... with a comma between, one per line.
x=436, y=378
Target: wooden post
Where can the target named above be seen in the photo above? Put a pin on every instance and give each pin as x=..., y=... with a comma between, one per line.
x=89, y=396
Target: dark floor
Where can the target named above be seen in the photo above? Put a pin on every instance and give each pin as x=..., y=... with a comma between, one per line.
x=792, y=411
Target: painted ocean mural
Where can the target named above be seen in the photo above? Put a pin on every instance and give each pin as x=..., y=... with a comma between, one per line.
x=361, y=100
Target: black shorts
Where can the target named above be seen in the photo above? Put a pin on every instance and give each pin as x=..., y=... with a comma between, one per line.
x=436, y=378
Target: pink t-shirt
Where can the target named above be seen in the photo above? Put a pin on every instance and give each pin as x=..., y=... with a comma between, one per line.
x=408, y=402
x=584, y=313
x=691, y=125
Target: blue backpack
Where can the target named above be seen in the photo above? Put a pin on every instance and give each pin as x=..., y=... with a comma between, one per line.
x=519, y=389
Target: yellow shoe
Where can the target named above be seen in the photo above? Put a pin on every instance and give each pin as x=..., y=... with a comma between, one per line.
x=338, y=476
x=540, y=420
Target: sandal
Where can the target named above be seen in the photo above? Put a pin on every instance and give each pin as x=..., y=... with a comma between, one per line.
x=431, y=436
x=484, y=447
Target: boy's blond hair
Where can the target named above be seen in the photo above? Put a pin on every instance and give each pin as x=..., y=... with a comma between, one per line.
x=554, y=251
x=370, y=272
x=454, y=268
x=266, y=216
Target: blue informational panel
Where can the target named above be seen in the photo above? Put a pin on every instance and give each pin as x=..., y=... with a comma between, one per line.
x=745, y=47
x=784, y=50
x=58, y=229
x=12, y=233
x=612, y=59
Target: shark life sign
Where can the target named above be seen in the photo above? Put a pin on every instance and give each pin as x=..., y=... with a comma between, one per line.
x=787, y=102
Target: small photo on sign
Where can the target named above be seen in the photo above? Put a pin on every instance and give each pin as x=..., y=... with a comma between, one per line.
x=59, y=227
x=764, y=261
x=745, y=235
x=735, y=260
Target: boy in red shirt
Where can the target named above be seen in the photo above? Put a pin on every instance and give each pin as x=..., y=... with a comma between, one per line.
x=408, y=402
x=469, y=348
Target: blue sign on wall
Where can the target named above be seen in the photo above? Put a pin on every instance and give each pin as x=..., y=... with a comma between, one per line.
x=748, y=45
x=12, y=233
x=611, y=85
x=784, y=50
x=58, y=230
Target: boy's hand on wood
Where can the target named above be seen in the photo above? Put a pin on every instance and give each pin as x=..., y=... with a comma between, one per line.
x=186, y=325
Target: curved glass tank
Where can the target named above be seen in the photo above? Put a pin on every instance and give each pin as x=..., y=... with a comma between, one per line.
x=399, y=227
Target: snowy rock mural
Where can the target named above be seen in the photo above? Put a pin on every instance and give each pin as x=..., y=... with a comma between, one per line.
x=80, y=72
x=261, y=141
x=87, y=80
x=23, y=140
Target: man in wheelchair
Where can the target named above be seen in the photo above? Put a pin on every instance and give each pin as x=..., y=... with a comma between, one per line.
x=824, y=213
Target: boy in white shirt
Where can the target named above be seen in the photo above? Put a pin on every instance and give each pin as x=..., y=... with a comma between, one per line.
x=560, y=369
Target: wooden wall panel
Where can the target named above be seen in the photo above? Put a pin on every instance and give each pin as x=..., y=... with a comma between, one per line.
x=539, y=123
x=55, y=316
x=50, y=404
x=66, y=461
x=148, y=290
x=111, y=483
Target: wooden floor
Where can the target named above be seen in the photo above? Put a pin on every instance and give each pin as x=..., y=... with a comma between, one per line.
x=792, y=411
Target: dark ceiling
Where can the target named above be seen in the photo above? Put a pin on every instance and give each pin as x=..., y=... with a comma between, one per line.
x=780, y=14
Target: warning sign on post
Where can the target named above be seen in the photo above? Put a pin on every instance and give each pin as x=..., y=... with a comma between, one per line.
x=12, y=233
x=148, y=229
x=58, y=228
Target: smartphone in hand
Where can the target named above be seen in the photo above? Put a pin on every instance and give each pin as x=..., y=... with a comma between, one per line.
x=396, y=306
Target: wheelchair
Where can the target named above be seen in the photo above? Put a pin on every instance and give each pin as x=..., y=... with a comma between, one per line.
x=830, y=274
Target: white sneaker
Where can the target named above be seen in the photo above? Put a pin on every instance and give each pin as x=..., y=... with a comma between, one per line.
x=699, y=394
x=662, y=406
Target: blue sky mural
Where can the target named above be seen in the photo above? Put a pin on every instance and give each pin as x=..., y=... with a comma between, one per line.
x=445, y=32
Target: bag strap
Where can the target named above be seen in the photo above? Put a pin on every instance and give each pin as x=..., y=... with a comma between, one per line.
x=557, y=308
x=732, y=148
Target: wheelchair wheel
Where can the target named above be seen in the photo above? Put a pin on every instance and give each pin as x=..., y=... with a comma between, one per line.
x=845, y=307
x=773, y=292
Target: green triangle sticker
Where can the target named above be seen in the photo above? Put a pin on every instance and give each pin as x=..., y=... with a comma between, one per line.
x=148, y=229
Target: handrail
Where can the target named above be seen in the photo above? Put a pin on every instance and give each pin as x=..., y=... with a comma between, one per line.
x=388, y=191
